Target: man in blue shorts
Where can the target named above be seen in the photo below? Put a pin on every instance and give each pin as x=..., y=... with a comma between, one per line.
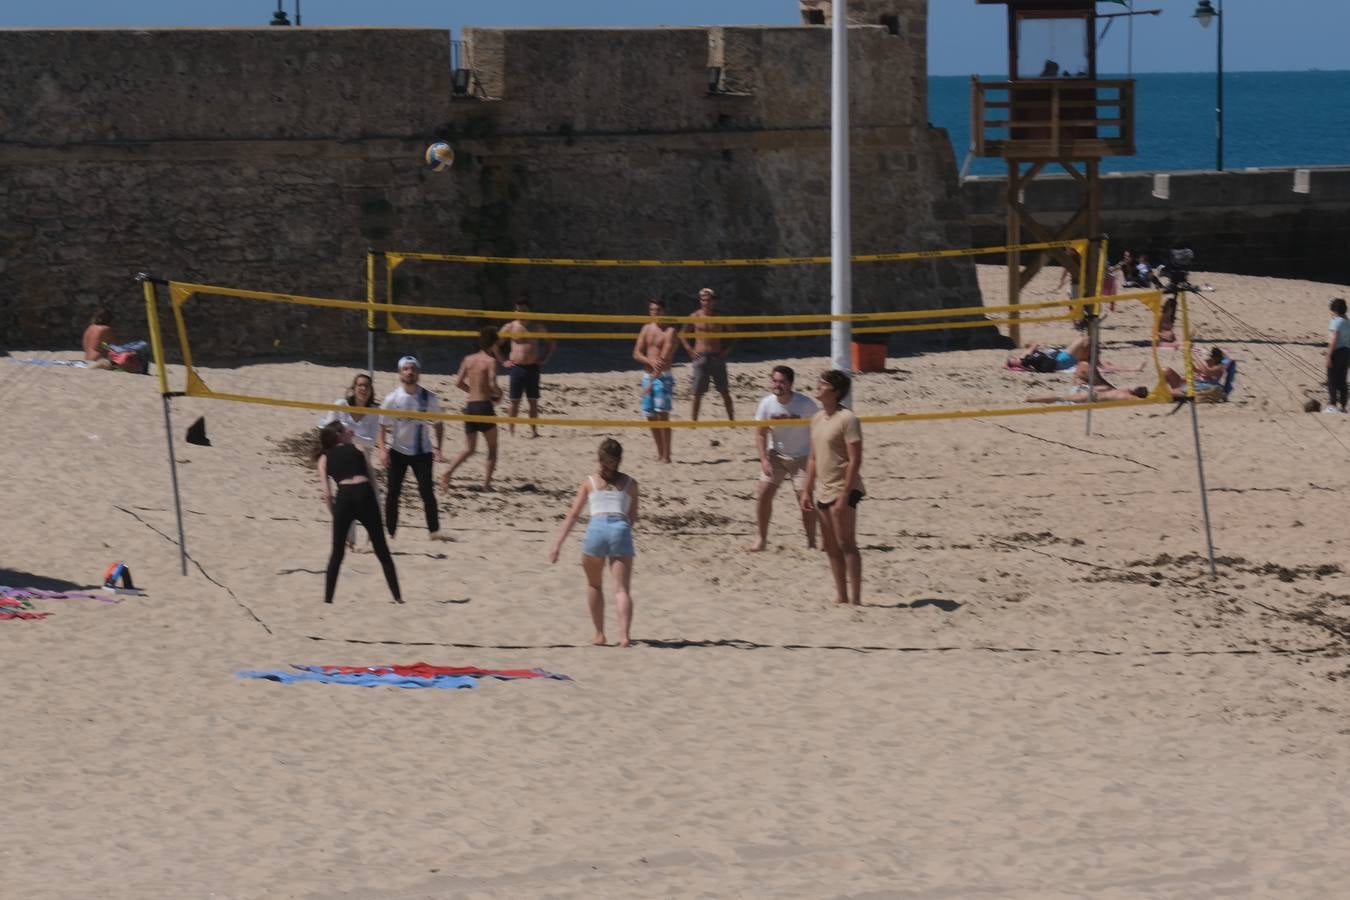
x=655, y=349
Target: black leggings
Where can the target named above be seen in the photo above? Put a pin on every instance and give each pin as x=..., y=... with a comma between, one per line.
x=356, y=502
x=421, y=466
x=1336, y=375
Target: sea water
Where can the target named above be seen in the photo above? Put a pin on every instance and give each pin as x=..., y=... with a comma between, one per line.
x=1270, y=120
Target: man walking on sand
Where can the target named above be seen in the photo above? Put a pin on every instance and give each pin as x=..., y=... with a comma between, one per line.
x=709, y=353
x=833, y=473
x=655, y=349
x=523, y=363
x=403, y=443
x=478, y=377
x=783, y=451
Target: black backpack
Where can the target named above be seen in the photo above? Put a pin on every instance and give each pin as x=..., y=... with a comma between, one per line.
x=1039, y=361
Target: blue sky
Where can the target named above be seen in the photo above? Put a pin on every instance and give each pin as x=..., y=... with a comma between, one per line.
x=964, y=37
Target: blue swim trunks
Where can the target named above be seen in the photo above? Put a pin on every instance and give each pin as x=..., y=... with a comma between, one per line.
x=1065, y=360
x=608, y=536
x=661, y=396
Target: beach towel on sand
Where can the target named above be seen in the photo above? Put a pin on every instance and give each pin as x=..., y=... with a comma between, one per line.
x=410, y=676
x=12, y=608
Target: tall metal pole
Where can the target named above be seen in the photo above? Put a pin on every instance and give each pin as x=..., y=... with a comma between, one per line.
x=1218, y=109
x=157, y=343
x=1195, y=427
x=841, y=281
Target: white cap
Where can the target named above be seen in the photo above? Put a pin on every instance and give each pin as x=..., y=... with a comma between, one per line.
x=410, y=359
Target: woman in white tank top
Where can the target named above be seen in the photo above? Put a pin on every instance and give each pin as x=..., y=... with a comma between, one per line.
x=612, y=500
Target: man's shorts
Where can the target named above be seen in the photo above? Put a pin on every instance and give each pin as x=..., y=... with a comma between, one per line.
x=785, y=468
x=659, y=399
x=479, y=408
x=710, y=367
x=524, y=381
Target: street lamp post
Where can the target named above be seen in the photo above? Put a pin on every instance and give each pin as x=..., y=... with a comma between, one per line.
x=1204, y=14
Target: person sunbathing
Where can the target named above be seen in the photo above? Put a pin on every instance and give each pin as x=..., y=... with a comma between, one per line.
x=1046, y=358
x=1100, y=389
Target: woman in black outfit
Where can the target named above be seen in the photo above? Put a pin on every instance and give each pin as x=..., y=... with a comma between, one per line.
x=343, y=462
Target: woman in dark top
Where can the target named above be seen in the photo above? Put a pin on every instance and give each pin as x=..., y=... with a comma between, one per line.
x=343, y=462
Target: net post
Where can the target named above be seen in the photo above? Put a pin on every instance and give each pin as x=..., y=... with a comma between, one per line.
x=370, y=313
x=1090, y=315
x=1195, y=426
x=148, y=283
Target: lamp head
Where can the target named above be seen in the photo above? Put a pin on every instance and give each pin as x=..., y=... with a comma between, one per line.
x=1204, y=13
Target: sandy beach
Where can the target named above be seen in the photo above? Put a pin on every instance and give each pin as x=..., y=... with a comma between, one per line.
x=1044, y=694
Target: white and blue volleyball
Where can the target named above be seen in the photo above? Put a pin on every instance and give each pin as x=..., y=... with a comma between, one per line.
x=440, y=156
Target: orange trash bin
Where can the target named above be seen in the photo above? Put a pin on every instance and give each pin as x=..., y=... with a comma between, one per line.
x=869, y=357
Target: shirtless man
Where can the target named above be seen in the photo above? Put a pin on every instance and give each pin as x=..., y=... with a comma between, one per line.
x=526, y=357
x=478, y=377
x=708, y=353
x=655, y=349
x=98, y=333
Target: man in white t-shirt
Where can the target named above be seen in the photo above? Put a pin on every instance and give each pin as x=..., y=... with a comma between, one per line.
x=783, y=450
x=403, y=443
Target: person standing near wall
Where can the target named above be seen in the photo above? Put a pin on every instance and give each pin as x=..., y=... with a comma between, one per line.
x=523, y=363
x=709, y=353
x=655, y=349
x=783, y=451
x=834, y=482
x=478, y=378
x=403, y=444
x=1338, y=356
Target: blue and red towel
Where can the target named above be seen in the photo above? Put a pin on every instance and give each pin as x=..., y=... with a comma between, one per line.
x=416, y=675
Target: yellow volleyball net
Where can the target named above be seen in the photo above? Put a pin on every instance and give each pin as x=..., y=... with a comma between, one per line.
x=195, y=305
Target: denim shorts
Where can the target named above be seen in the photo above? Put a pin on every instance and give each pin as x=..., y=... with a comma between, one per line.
x=608, y=536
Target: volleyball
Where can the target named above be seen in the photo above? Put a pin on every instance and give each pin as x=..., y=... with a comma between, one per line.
x=440, y=156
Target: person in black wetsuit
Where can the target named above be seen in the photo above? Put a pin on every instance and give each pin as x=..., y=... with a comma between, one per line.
x=343, y=462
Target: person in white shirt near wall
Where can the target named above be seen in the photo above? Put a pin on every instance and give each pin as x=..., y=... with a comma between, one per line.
x=783, y=451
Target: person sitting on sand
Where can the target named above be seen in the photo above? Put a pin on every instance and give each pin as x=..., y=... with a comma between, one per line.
x=612, y=498
x=97, y=335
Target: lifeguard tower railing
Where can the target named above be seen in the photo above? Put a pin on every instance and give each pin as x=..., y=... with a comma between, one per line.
x=1052, y=119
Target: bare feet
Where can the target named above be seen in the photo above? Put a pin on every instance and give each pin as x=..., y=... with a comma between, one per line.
x=599, y=639
x=625, y=642
x=756, y=547
x=440, y=536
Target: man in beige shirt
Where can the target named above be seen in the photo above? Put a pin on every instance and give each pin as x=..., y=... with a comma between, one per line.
x=833, y=475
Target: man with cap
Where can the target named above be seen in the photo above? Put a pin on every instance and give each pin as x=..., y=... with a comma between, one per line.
x=403, y=443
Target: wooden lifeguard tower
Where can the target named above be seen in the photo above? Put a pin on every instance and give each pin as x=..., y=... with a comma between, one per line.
x=1052, y=110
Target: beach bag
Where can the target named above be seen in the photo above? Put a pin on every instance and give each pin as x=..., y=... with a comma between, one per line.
x=127, y=357
x=1039, y=361
x=127, y=361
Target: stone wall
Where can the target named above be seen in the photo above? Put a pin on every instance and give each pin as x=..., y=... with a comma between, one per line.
x=272, y=158
x=1274, y=222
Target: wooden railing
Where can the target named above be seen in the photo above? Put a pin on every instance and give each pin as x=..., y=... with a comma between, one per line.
x=1052, y=118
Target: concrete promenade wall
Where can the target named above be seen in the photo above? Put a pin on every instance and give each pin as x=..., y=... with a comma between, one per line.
x=272, y=158
x=1249, y=222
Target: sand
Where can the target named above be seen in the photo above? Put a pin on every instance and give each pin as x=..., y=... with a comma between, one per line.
x=1045, y=694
